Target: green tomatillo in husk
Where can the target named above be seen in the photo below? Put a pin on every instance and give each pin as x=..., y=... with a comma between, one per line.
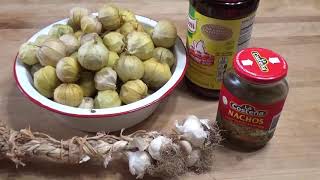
x=45, y=81
x=129, y=68
x=58, y=30
x=114, y=42
x=113, y=59
x=105, y=79
x=68, y=70
x=90, y=24
x=68, y=94
x=107, y=99
x=28, y=53
x=71, y=42
x=140, y=44
x=34, y=68
x=127, y=16
x=109, y=17
x=51, y=51
x=131, y=26
x=164, y=55
x=76, y=15
x=87, y=84
x=156, y=74
x=79, y=34
x=89, y=37
x=164, y=34
x=41, y=39
x=87, y=103
x=133, y=91
x=93, y=55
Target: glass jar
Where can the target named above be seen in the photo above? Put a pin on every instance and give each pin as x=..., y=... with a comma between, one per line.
x=252, y=97
x=217, y=29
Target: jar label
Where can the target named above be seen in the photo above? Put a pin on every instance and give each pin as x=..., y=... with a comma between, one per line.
x=211, y=45
x=243, y=113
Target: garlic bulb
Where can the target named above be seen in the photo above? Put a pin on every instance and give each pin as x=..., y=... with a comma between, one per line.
x=79, y=34
x=105, y=79
x=68, y=94
x=186, y=146
x=109, y=17
x=58, y=30
x=87, y=84
x=139, y=162
x=76, y=15
x=45, y=81
x=156, y=74
x=164, y=55
x=155, y=146
x=51, y=51
x=71, y=42
x=93, y=55
x=127, y=16
x=113, y=59
x=107, y=99
x=133, y=91
x=28, y=53
x=90, y=37
x=34, y=68
x=129, y=68
x=114, y=42
x=140, y=44
x=41, y=39
x=90, y=24
x=87, y=103
x=68, y=70
x=193, y=131
x=164, y=34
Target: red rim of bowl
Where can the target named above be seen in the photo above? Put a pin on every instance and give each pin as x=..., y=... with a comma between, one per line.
x=100, y=115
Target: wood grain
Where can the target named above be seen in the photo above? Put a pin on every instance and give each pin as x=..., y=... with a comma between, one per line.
x=291, y=28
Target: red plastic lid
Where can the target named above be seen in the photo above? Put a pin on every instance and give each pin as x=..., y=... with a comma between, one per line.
x=260, y=65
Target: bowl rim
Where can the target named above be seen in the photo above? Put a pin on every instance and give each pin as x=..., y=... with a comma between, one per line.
x=131, y=110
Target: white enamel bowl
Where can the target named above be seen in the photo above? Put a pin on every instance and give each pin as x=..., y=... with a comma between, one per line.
x=111, y=119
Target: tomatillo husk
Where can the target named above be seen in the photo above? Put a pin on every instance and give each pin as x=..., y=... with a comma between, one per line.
x=68, y=70
x=107, y=99
x=133, y=91
x=28, y=53
x=164, y=34
x=140, y=44
x=129, y=68
x=51, y=51
x=45, y=81
x=156, y=74
x=68, y=94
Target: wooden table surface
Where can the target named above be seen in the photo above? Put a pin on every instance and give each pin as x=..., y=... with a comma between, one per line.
x=289, y=27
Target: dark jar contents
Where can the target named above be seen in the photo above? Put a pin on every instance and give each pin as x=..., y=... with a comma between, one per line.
x=217, y=29
x=252, y=97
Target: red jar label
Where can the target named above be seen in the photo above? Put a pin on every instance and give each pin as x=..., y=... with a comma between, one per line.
x=240, y=112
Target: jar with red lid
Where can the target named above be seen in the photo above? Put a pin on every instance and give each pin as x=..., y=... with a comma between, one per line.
x=252, y=97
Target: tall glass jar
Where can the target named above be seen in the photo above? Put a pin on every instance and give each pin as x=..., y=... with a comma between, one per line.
x=252, y=97
x=217, y=29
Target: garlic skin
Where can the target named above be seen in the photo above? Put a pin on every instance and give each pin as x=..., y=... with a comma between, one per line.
x=107, y=99
x=139, y=161
x=193, y=131
x=133, y=91
x=155, y=146
x=90, y=24
x=114, y=42
x=109, y=17
x=113, y=59
x=164, y=34
x=93, y=55
x=127, y=16
x=41, y=39
x=140, y=44
x=58, y=30
x=105, y=79
x=87, y=84
x=87, y=103
x=76, y=15
x=28, y=53
x=68, y=94
x=45, y=81
x=68, y=70
x=90, y=37
x=164, y=56
x=129, y=68
x=34, y=68
x=71, y=42
x=51, y=51
x=156, y=74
